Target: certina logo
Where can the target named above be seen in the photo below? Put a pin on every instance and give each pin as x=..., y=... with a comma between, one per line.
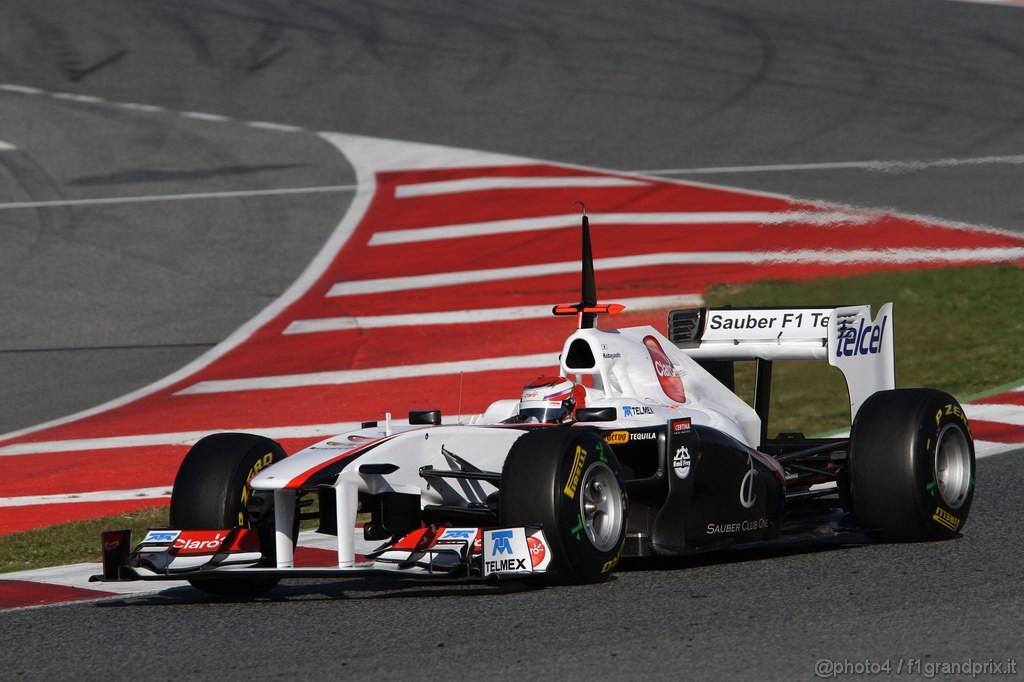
x=866, y=339
x=636, y=410
x=502, y=543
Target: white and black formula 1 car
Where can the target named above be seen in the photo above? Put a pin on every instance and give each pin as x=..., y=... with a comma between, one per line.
x=638, y=447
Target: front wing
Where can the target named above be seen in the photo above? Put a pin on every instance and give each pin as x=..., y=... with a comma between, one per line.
x=436, y=553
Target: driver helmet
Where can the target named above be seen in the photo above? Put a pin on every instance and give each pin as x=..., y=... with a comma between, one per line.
x=550, y=399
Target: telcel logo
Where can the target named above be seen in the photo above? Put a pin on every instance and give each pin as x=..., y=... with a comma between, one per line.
x=865, y=340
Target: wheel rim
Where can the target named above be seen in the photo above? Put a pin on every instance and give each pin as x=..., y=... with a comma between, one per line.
x=601, y=506
x=952, y=466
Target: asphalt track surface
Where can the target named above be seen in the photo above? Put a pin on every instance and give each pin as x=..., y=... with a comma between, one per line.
x=110, y=297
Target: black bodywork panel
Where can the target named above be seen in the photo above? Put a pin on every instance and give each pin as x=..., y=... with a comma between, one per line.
x=693, y=488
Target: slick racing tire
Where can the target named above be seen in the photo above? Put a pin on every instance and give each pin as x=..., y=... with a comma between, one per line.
x=211, y=490
x=911, y=462
x=568, y=482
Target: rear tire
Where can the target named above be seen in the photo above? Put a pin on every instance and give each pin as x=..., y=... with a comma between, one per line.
x=911, y=461
x=211, y=490
x=567, y=481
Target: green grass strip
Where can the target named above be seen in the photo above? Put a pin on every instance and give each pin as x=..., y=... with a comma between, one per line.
x=71, y=543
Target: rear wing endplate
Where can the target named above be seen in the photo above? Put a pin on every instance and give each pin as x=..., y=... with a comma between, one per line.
x=859, y=346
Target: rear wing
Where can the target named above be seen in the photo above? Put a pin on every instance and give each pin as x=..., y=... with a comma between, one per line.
x=859, y=346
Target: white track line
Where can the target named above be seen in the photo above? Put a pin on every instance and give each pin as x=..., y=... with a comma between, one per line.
x=1004, y=414
x=552, y=222
x=6, y=146
x=181, y=438
x=189, y=438
x=480, y=184
x=73, y=97
x=21, y=89
x=986, y=448
x=146, y=108
x=77, y=575
x=178, y=197
x=97, y=496
x=875, y=166
x=203, y=116
x=278, y=127
x=356, y=376
x=332, y=324
x=823, y=257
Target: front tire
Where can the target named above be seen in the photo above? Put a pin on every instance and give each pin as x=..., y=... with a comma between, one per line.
x=211, y=491
x=911, y=461
x=567, y=481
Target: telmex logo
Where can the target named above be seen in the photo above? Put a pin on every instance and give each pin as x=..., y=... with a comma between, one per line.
x=459, y=534
x=865, y=340
x=616, y=438
x=502, y=542
x=161, y=536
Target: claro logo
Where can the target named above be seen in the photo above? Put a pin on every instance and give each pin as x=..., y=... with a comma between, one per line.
x=199, y=542
x=866, y=339
x=667, y=377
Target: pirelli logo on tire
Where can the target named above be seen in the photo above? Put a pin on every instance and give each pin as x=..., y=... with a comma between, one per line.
x=944, y=518
x=574, y=474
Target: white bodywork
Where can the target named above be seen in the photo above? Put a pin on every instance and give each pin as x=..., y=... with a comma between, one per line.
x=637, y=370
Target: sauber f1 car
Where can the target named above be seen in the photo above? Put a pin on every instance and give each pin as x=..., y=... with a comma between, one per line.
x=638, y=447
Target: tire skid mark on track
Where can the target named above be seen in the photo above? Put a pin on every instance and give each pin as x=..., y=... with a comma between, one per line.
x=337, y=376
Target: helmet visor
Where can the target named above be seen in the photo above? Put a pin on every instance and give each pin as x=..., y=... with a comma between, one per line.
x=543, y=411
